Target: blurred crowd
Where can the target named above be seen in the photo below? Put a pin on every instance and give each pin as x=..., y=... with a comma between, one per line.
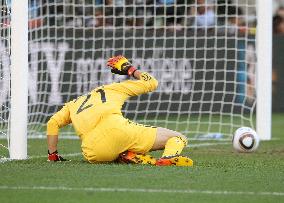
x=175, y=14
x=234, y=16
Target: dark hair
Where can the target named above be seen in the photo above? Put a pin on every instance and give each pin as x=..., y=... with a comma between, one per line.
x=277, y=20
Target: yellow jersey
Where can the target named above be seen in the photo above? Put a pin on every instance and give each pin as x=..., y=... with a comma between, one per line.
x=86, y=111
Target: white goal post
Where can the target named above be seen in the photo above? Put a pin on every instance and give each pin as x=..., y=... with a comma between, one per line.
x=203, y=65
x=19, y=80
x=264, y=69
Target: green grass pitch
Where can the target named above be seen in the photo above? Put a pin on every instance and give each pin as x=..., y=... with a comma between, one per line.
x=219, y=175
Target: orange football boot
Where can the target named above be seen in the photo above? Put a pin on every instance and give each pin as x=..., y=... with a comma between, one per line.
x=174, y=161
x=132, y=157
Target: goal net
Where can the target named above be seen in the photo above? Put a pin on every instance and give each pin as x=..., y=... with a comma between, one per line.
x=4, y=77
x=202, y=53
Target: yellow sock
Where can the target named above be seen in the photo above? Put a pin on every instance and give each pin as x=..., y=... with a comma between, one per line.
x=174, y=146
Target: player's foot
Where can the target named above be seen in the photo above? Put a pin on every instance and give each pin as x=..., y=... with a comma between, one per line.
x=174, y=160
x=132, y=157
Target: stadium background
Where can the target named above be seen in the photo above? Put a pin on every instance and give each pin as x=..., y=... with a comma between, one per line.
x=53, y=16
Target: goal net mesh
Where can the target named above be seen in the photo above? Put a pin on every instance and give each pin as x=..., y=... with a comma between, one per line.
x=4, y=76
x=202, y=53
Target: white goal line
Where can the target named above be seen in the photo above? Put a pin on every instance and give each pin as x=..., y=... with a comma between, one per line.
x=142, y=190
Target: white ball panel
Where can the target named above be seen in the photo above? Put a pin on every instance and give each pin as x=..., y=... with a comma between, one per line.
x=245, y=139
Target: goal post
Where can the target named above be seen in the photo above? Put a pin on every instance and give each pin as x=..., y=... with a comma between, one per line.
x=264, y=69
x=19, y=80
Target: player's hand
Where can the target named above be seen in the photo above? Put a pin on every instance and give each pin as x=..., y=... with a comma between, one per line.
x=120, y=65
x=55, y=157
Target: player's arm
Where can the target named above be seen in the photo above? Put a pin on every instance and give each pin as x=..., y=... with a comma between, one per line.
x=57, y=121
x=145, y=82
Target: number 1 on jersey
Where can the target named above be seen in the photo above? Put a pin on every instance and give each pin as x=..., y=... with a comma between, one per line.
x=103, y=95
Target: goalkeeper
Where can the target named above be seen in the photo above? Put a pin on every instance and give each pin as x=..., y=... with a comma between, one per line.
x=105, y=134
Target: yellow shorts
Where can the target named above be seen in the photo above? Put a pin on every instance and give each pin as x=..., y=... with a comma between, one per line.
x=114, y=135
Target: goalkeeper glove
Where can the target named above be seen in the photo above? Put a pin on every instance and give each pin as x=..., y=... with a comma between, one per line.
x=120, y=65
x=55, y=157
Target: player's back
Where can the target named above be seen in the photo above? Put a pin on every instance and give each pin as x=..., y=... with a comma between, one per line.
x=87, y=110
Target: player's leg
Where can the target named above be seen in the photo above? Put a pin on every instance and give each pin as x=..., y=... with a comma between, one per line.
x=173, y=143
x=141, y=141
x=147, y=138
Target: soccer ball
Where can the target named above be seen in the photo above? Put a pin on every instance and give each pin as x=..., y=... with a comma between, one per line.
x=245, y=139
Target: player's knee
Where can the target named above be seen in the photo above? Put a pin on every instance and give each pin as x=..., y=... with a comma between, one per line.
x=178, y=134
x=163, y=135
x=167, y=133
